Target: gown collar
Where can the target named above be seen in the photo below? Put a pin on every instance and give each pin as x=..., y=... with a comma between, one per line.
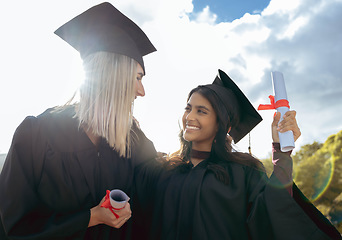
x=199, y=154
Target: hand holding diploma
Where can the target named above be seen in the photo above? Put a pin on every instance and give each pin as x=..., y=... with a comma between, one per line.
x=281, y=104
x=288, y=123
x=114, y=210
x=115, y=200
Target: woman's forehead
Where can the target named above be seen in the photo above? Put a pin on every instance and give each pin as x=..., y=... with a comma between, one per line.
x=197, y=99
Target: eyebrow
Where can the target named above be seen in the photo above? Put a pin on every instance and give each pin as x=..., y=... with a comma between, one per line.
x=203, y=107
x=200, y=107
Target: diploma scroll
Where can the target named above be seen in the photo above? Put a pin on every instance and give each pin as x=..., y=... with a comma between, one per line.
x=118, y=199
x=286, y=139
x=115, y=200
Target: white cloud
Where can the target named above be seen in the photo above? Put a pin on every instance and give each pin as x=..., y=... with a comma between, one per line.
x=280, y=7
x=293, y=27
x=206, y=16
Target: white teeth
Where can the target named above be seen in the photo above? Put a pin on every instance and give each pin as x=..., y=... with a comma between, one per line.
x=192, y=127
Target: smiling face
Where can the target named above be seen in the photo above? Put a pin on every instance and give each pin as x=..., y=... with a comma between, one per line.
x=139, y=87
x=199, y=123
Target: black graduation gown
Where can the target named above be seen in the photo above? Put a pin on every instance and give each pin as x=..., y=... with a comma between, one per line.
x=53, y=175
x=193, y=204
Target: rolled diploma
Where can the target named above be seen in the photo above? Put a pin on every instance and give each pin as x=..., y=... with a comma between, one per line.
x=286, y=139
x=118, y=199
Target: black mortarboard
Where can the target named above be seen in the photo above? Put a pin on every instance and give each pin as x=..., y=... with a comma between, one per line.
x=104, y=28
x=235, y=101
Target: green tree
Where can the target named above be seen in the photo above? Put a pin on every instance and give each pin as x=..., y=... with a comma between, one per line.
x=305, y=152
x=317, y=171
x=319, y=175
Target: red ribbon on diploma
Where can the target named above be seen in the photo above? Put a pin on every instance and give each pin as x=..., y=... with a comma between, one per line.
x=106, y=204
x=274, y=105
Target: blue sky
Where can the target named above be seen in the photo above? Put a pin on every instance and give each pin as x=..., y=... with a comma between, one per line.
x=229, y=10
x=300, y=38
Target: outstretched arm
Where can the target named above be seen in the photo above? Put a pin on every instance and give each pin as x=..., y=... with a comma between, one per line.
x=282, y=162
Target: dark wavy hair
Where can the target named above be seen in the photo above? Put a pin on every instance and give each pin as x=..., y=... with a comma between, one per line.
x=222, y=150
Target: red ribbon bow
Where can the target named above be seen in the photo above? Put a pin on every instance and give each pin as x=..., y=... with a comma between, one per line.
x=106, y=204
x=274, y=105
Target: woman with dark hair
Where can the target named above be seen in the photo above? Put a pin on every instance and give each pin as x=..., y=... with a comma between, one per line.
x=208, y=191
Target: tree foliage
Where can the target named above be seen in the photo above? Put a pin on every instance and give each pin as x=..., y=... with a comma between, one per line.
x=317, y=171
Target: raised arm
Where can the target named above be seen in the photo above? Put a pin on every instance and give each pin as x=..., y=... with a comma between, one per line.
x=282, y=162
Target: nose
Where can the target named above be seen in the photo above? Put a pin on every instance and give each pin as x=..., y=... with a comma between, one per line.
x=189, y=115
x=140, y=91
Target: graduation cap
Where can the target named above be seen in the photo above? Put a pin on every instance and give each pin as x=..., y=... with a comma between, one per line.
x=236, y=103
x=105, y=28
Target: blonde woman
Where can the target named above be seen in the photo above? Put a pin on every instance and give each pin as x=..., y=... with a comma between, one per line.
x=61, y=162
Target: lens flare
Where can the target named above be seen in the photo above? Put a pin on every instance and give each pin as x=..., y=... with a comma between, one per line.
x=323, y=179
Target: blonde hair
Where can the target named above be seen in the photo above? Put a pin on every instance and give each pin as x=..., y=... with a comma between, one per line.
x=106, y=98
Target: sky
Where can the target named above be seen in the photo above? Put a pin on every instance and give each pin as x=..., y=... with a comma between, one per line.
x=228, y=10
x=300, y=38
